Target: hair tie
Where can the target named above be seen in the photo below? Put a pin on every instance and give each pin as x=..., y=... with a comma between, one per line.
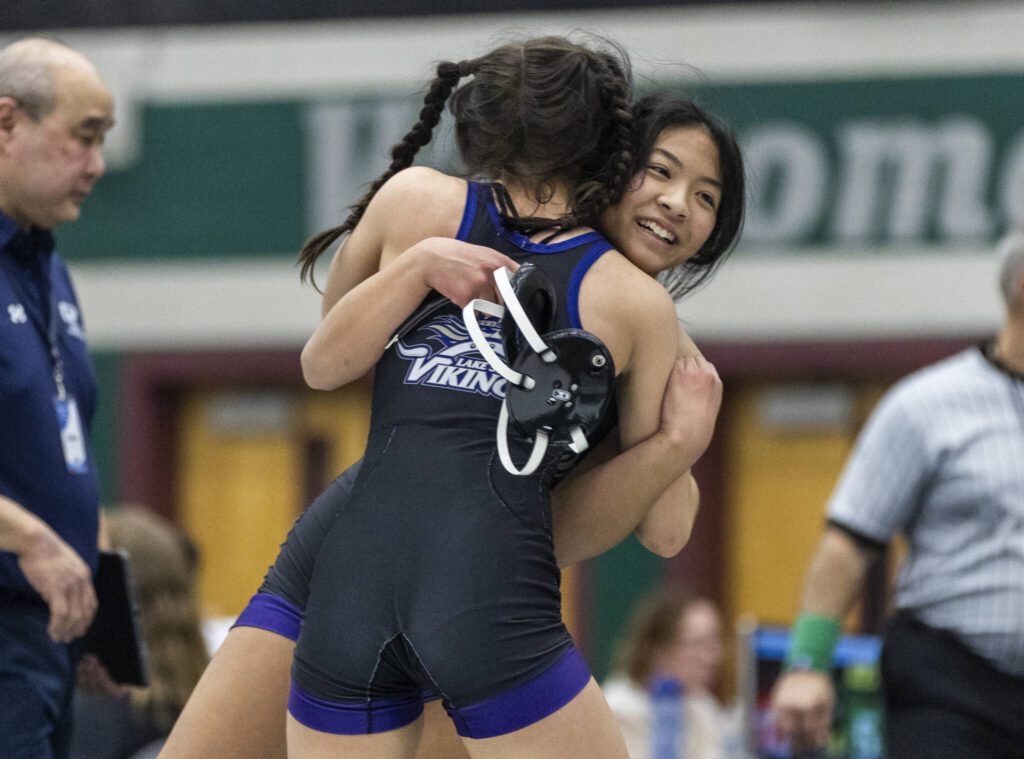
x=448, y=69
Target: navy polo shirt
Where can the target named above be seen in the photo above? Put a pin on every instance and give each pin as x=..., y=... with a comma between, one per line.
x=33, y=470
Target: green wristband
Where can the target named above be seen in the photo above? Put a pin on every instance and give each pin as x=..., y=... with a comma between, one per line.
x=812, y=643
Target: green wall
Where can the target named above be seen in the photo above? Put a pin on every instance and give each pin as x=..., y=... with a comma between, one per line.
x=212, y=180
x=243, y=178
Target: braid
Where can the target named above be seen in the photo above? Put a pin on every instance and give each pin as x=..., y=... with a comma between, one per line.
x=591, y=198
x=402, y=155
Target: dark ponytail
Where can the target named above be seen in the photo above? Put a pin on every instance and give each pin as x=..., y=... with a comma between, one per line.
x=402, y=155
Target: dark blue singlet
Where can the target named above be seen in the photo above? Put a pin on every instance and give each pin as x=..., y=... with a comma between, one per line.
x=438, y=573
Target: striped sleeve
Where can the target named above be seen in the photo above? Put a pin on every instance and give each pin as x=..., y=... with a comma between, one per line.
x=882, y=483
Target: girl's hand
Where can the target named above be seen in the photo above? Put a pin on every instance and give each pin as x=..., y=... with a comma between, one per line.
x=460, y=271
x=689, y=409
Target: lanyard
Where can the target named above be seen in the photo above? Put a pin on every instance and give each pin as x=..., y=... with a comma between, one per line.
x=53, y=339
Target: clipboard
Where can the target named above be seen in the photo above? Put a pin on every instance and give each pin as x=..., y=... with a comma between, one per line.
x=115, y=636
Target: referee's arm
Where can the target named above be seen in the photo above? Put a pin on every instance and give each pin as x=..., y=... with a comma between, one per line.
x=804, y=700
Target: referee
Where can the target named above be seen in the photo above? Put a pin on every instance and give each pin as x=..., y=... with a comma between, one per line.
x=942, y=461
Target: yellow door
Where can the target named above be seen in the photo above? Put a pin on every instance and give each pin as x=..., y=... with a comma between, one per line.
x=786, y=446
x=242, y=476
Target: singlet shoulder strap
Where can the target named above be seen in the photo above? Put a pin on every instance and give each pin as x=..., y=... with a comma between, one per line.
x=476, y=201
x=572, y=298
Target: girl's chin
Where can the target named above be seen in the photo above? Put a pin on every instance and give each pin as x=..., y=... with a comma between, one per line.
x=649, y=262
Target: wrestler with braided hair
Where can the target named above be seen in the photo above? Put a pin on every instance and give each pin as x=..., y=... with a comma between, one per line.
x=449, y=579
x=726, y=227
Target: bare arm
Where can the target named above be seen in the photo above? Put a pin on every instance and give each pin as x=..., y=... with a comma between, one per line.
x=689, y=408
x=648, y=488
x=607, y=497
x=385, y=270
x=804, y=701
x=603, y=500
x=52, y=567
x=666, y=527
x=836, y=574
x=356, y=330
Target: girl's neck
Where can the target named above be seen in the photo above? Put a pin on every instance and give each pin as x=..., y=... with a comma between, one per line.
x=554, y=205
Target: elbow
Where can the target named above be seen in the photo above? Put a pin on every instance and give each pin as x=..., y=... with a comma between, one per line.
x=667, y=533
x=314, y=370
x=665, y=543
x=665, y=549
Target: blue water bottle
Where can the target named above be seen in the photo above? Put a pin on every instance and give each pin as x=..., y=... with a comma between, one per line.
x=667, y=719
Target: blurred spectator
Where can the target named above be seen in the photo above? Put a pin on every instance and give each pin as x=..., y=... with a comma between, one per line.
x=121, y=723
x=676, y=636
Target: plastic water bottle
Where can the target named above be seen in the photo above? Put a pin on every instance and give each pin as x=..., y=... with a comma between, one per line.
x=667, y=719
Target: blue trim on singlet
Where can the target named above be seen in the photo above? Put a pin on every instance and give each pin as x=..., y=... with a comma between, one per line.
x=268, y=612
x=572, y=305
x=376, y=716
x=522, y=241
x=528, y=703
x=469, y=212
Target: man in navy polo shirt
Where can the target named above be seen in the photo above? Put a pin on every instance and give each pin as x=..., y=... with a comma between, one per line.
x=54, y=113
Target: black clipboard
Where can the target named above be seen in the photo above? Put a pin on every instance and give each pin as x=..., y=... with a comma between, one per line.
x=115, y=636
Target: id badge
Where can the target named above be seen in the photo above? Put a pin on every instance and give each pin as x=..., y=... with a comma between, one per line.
x=71, y=438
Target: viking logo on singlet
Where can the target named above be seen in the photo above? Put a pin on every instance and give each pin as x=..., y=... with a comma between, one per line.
x=451, y=360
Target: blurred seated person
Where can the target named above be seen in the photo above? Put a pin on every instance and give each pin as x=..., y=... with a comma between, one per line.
x=118, y=722
x=673, y=635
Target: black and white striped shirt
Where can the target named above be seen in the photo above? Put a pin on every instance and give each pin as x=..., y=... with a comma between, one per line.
x=942, y=459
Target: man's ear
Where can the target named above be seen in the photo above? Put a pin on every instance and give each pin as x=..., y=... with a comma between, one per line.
x=8, y=114
x=1017, y=291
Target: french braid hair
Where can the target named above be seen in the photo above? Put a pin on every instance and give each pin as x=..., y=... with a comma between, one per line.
x=402, y=155
x=536, y=113
x=606, y=186
x=545, y=111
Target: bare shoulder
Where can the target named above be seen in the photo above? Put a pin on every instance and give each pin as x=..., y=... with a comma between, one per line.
x=619, y=286
x=413, y=205
x=626, y=308
x=420, y=190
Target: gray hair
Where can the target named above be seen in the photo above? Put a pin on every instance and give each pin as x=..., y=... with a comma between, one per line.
x=26, y=75
x=1011, y=263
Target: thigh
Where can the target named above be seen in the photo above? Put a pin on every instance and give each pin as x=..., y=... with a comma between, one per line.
x=439, y=739
x=307, y=743
x=585, y=728
x=237, y=710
